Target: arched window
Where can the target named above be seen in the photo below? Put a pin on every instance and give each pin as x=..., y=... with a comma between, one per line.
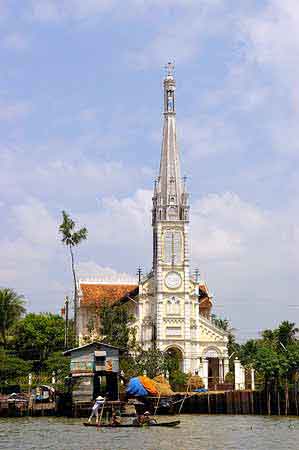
x=173, y=306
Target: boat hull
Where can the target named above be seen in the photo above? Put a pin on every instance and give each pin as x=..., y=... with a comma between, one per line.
x=174, y=423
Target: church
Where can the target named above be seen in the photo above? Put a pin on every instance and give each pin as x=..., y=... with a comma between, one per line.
x=172, y=308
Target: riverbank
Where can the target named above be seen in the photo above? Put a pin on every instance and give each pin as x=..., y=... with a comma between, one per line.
x=213, y=402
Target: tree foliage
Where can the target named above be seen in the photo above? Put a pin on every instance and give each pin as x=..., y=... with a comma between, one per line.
x=38, y=335
x=116, y=325
x=220, y=323
x=59, y=364
x=12, y=367
x=11, y=310
x=276, y=355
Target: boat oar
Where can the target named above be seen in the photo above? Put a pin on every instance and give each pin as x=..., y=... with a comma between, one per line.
x=101, y=414
x=181, y=405
x=155, y=412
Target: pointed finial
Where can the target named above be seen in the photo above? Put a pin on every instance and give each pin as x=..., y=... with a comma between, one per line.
x=196, y=275
x=169, y=68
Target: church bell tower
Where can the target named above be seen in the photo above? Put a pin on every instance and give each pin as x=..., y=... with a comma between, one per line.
x=170, y=221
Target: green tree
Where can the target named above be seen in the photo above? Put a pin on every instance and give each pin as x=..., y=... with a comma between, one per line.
x=11, y=310
x=275, y=356
x=116, y=325
x=59, y=364
x=153, y=361
x=12, y=367
x=286, y=333
x=232, y=346
x=72, y=238
x=220, y=323
x=247, y=352
x=38, y=335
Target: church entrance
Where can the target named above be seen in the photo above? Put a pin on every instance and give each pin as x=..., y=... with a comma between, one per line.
x=176, y=358
x=214, y=369
x=213, y=373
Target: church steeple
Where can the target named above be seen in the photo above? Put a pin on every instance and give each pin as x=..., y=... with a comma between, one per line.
x=170, y=199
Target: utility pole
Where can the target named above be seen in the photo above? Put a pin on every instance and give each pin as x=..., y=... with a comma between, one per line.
x=139, y=273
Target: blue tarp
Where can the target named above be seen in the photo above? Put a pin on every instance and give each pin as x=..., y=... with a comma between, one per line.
x=200, y=390
x=136, y=388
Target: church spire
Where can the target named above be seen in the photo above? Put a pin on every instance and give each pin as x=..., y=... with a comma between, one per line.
x=170, y=199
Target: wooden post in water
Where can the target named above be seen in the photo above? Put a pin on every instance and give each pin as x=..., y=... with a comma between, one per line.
x=296, y=397
x=268, y=400
x=251, y=402
x=278, y=402
x=286, y=397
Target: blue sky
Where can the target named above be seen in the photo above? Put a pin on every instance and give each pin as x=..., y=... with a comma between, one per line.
x=80, y=130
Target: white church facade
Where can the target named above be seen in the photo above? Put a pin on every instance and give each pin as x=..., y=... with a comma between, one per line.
x=172, y=308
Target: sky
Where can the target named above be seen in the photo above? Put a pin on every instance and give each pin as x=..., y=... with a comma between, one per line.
x=80, y=130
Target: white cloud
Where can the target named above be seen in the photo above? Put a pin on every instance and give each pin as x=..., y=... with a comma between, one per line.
x=28, y=244
x=242, y=249
x=274, y=34
x=222, y=226
x=182, y=38
x=34, y=223
x=92, y=269
x=204, y=135
x=131, y=215
x=84, y=179
x=270, y=70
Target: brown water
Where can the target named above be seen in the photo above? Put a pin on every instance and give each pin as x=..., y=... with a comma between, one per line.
x=195, y=432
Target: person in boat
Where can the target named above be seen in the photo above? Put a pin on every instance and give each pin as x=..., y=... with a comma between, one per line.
x=115, y=419
x=148, y=419
x=98, y=404
x=144, y=419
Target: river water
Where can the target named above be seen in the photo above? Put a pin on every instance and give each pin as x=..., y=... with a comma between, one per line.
x=195, y=432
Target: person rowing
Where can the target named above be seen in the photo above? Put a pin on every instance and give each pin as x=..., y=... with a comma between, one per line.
x=99, y=403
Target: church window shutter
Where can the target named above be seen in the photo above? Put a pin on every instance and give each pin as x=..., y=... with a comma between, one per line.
x=172, y=247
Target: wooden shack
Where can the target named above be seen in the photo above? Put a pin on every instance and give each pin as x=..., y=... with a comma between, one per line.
x=94, y=371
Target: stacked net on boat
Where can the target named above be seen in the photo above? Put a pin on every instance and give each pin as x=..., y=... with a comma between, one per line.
x=143, y=385
x=162, y=386
x=195, y=382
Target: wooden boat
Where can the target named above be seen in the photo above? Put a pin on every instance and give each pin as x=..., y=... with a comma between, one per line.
x=174, y=423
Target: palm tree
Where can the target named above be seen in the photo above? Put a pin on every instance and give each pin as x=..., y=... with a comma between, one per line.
x=286, y=333
x=11, y=309
x=220, y=323
x=72, y=238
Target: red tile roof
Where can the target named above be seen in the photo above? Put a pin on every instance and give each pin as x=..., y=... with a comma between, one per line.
x=94, y=294
x=203, y=288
